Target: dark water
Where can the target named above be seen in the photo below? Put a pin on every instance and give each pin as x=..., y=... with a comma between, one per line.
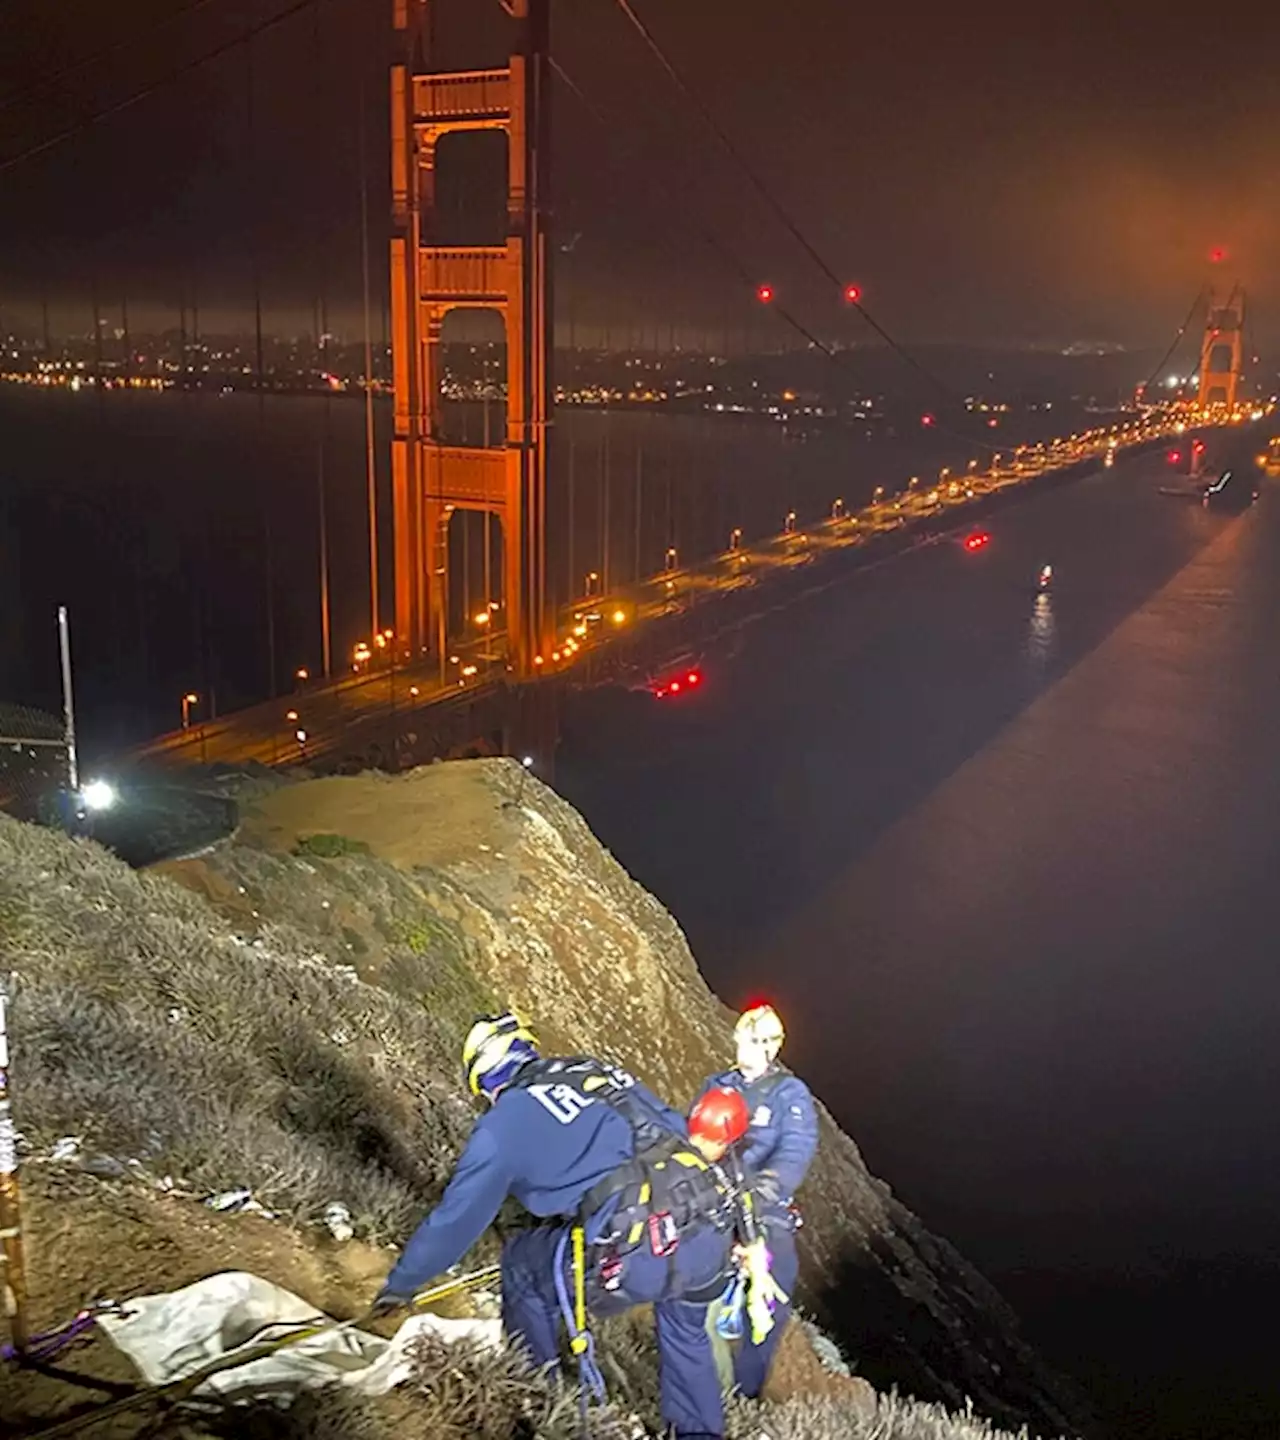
x=181, y=528
x=1010, y=866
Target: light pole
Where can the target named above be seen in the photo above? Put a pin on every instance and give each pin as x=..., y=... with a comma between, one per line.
x=837, y=509
x=735, y=538
x=188, y=700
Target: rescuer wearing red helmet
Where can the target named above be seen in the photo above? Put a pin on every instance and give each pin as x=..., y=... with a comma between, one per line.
x=719, y=1118
x=638, y=1209
x=782, y=1137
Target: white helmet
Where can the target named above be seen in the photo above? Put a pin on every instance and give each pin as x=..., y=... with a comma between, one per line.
x=760, y=1026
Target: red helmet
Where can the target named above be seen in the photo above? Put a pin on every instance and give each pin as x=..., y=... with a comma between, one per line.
x=720, y=1116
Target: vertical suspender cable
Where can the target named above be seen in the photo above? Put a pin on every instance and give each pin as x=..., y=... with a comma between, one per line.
x=371, y=460
x=268, y=543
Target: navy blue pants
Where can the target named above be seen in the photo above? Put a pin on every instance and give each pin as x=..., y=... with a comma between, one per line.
x=690, y=1389
x=751, y=1362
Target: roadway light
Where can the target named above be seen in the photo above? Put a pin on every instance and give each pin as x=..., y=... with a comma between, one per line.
x=735, y=538
x=302, y=673
x=837, y=509
x=672, y=557
x=789, y=524
x=188, y=700
x=301, y=736
x=291, y=716
x=98, y=795
x=482, y=617
x=619, y=617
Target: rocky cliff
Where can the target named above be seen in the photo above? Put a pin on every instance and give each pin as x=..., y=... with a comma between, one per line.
x=284, y=1013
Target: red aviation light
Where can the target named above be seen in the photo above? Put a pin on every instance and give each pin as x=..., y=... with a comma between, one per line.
x=852, y=294
x=764, y=293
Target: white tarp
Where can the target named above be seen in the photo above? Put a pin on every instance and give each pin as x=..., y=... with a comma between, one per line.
x=169, y=1336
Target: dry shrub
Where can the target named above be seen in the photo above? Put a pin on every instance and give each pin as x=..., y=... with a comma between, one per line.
x=894, y=1418
x=457, y=1392
x=145, y=1023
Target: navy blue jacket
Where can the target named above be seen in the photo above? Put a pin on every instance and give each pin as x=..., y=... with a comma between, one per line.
x=783, y=1132
x=546, y=1144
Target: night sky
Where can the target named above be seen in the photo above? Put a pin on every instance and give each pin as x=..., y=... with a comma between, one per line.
x=986, y=172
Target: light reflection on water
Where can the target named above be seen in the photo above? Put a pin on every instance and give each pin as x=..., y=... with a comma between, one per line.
x=1041, y=631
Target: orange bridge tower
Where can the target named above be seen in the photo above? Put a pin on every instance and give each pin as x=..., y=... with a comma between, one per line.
x=1222, y=352
x=433, y=479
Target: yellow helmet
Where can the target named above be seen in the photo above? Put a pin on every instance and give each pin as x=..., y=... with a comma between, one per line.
x=763, y=1024
x=495, y=1047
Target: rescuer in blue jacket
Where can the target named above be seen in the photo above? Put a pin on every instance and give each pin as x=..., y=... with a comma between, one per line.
x=563, y=1136
x=781, y=1139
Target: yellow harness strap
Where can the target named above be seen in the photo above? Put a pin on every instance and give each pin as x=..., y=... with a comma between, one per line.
x=578, y=1343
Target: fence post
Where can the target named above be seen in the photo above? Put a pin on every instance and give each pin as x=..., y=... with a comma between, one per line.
x=14, y=1288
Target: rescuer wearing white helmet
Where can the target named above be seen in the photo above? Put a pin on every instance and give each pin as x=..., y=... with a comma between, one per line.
x=780, y=1143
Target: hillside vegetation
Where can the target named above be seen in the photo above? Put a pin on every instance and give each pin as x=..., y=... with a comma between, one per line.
x=285, y=1014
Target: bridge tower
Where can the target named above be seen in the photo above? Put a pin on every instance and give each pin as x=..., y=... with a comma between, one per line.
x=433, y=479
x=1222, y=352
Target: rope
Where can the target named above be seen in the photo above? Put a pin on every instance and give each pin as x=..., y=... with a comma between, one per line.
x=574, y=1312
x=42, y=1348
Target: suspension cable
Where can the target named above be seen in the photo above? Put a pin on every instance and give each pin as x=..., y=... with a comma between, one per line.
x=55, y=77
x=779, y=211
x=137, y=96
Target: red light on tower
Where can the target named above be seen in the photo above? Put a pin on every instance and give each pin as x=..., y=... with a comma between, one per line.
x=1218, y=254
x=852, y=294
x=928, y=420
x=764, y=293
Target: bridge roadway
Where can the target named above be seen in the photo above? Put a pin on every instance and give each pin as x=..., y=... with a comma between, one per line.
x=338, y=717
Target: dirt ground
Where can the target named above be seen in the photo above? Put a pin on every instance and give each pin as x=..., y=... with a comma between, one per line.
x=433, y=816
x=88, y=1240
